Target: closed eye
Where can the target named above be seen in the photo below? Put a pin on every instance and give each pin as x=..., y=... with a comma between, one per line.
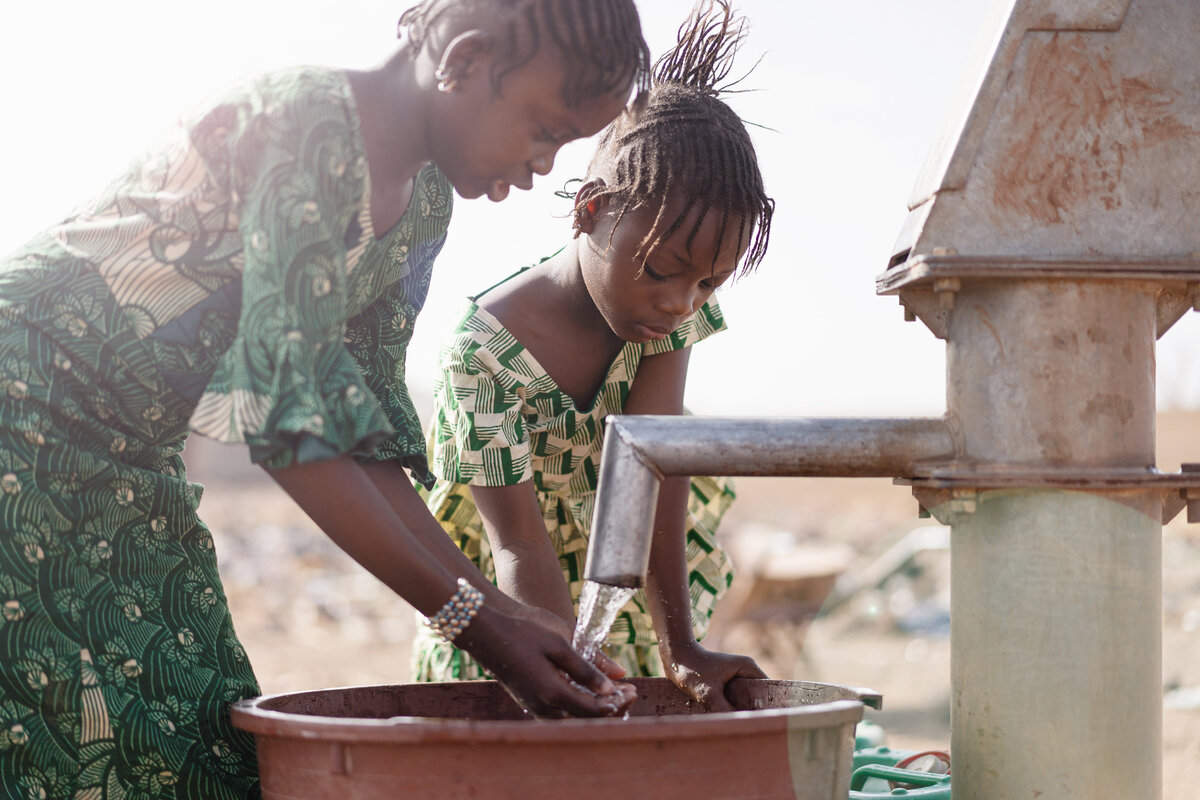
x=714, y=282
x=650, y=273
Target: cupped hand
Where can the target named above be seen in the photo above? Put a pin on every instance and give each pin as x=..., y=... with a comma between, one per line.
x=554, y=622
x=703, y=674
x=539, y=669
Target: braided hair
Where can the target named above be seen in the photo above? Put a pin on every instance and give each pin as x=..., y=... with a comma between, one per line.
x=601, y=40
x=682, y=141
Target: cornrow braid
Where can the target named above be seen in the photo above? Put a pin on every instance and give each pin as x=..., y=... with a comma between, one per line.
x=601, y=40
x=682, y=141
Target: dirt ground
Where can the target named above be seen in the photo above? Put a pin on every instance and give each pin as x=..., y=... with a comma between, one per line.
x=311, y=618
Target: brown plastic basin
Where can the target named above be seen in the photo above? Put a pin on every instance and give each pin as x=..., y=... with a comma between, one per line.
x=791, y=740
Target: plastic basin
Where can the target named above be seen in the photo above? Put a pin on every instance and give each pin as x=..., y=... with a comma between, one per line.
x=791, y=740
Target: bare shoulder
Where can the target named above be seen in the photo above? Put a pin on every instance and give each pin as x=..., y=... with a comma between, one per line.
x=521, y=302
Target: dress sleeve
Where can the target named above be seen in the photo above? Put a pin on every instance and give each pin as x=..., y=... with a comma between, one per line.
x=704, y=323
x=479, y=436
x=287, y=386
x=378, y=338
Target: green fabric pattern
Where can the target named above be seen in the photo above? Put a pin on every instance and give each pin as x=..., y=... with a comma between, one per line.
x=229, y=284
x=499, y=419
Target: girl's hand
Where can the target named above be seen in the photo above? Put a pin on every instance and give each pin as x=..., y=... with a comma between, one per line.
x=539, y=668
x=563, y=628
x=703, y=674
x=374, y=514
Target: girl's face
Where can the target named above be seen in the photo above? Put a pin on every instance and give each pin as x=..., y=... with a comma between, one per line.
x=486, y=143
x=647, y=302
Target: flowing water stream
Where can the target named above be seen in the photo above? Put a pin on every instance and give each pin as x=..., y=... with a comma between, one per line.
x=598, y=607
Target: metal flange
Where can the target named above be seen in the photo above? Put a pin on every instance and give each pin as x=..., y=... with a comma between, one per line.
x=948, y=489
x=927, y=283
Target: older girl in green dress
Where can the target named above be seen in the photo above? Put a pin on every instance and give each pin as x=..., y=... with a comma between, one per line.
x=673, y=203
x=256, y=280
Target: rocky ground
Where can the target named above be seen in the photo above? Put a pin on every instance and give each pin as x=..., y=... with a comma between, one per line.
x=310, y=617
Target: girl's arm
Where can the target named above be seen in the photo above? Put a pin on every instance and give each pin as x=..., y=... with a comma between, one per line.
x=380, y=532
x=658, y=389
x=393, y=483
x=527, y=567
x=542, y=591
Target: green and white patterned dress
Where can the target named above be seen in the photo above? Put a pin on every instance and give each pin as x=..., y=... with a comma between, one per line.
x=229, y=283
x=500, y=420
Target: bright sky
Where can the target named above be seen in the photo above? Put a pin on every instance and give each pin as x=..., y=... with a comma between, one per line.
x=855, y=93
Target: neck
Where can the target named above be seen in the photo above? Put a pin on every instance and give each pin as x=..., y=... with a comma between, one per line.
x=572, y=297
x=392, y=113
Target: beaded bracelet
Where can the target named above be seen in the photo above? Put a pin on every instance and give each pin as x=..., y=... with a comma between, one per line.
x=454, y=617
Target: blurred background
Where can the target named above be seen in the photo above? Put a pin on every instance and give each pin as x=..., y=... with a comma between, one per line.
x=847, y=97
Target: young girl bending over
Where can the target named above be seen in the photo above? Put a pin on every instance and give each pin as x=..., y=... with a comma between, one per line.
x=256, y=280
x=673, y=207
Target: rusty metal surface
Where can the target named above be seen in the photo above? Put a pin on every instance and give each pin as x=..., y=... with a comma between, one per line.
x=955, y=146
x=951, y=476
x=1054, y=377
x=1050, y=245
x=1049, y=242
x=927, y=268
x=944, y=500
x=1078, y=142
x=1054, y=373
x=917, y=281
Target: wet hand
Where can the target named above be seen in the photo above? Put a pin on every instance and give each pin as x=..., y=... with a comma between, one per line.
x=627, y=694
x=539, y=669
x=565, y=629
x=703, y=674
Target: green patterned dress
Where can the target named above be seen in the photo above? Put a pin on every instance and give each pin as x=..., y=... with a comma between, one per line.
x=499, y=420
x=229, y=284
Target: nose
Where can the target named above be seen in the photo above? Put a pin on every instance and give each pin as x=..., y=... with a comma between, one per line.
x=681, y=301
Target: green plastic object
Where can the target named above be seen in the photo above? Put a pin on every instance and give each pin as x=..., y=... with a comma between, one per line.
x=885, y=755
x=873, y=767
x=926, y=786
x=868, y=734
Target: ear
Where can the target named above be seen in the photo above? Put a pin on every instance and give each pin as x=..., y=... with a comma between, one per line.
x=463, y=57
x=589, y=206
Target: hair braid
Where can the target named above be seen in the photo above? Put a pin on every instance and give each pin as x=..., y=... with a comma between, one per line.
x=601, y=40
x=681, y=140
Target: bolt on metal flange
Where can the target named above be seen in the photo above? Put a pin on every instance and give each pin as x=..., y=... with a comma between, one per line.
x=946, y=288
x=1192, y=496
x=963, y=501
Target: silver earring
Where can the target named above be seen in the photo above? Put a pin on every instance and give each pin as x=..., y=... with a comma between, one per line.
x=446, y=82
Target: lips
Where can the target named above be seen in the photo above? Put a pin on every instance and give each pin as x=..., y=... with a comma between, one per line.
x=501, y=188
x=653, y=332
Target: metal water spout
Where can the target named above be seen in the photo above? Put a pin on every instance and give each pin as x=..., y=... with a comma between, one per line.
x=639, y=451
x=1051, y=240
